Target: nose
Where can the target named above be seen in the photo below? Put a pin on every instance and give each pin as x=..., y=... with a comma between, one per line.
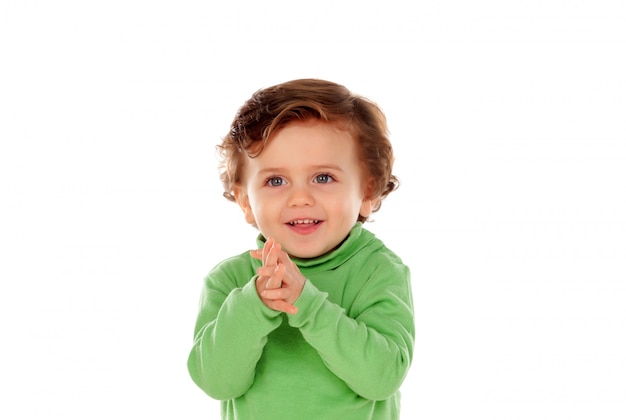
x=300, y=196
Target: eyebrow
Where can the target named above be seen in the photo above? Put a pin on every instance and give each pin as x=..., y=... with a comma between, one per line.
x=270, y=171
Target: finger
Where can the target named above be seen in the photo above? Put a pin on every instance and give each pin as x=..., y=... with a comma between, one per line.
x=282, y=306
x=292, y=272
x=284, y=258
x=263, y=253
x=275, y=294
x=265, y=271
x=276, y=278
x=266, y=249
x=272, y=255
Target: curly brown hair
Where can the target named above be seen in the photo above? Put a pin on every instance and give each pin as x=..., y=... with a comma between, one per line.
x=272, y=108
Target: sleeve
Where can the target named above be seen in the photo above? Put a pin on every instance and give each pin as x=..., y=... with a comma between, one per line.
x=230, y=334
x=371, y=352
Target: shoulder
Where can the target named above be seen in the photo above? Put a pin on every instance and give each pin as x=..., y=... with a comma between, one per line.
x=374, y=268
x=380, y=267
x=234, y=269
x=374, y=252
x=380, y=276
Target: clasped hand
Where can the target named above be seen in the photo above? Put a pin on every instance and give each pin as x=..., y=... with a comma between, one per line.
x=279, y=282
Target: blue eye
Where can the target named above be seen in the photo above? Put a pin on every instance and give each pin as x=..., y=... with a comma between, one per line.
x=275, y=181
x=323, y=179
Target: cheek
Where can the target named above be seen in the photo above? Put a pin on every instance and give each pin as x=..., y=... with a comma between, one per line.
x=348, y=206
x=262, y=205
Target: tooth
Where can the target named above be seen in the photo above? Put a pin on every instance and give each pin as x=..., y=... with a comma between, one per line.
x=304, y=221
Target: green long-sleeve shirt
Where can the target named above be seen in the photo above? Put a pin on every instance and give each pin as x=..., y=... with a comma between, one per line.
x=344, y=354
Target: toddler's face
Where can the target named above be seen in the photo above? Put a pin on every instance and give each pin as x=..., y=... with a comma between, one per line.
x=306, y=188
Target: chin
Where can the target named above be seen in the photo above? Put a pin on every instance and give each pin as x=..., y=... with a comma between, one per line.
x=304, y=253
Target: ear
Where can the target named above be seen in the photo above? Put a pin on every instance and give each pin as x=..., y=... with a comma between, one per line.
x=241, y=196
x=366, y=207
x=368, y=202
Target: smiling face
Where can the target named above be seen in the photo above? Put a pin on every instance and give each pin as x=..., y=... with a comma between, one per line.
x=306, y=188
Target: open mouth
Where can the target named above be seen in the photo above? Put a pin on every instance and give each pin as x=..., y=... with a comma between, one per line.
x=304, y=222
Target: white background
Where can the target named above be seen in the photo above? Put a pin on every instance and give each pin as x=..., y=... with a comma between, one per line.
x=509, y=123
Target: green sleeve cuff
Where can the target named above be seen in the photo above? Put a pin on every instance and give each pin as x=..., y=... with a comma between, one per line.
x=259, y=309
x=309, y=302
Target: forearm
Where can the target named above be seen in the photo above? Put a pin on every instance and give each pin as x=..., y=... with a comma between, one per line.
x=227, y=348
x=371, y=353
